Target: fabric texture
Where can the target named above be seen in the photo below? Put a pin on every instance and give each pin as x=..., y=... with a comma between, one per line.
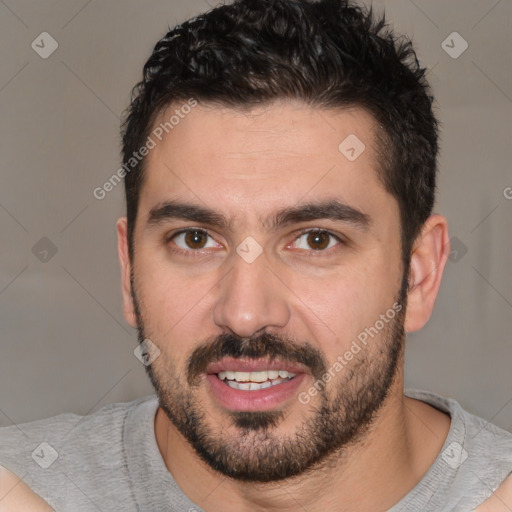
x=109, y=460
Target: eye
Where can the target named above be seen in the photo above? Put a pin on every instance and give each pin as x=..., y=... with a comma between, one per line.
x=190, y=240
x=317, y=239
x=194, y=240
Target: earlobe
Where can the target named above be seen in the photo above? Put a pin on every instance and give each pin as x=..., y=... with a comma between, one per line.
x=124, y=261
x=428, y=260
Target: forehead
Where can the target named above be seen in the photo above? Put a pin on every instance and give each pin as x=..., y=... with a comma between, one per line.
x=258, y=160
x=284, y=128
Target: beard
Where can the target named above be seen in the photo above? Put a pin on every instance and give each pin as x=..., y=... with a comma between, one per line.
x=343, y=413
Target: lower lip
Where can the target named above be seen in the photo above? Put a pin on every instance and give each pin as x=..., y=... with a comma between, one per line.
x=256, y=400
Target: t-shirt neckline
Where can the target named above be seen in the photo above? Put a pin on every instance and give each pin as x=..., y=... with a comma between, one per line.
x=154, y=487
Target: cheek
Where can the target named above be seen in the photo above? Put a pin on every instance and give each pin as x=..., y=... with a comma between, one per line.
x=176, y=308
x=341, y=308
x=167, y=289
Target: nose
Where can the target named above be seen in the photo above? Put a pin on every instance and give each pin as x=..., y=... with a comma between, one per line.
x=251, y=298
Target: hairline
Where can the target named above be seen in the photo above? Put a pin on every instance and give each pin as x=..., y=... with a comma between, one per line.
x=383, y=160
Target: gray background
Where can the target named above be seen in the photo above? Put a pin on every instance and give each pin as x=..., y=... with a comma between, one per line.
x=65, y=346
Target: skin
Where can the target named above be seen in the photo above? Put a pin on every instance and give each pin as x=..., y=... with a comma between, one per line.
x=500, y=501
x=16, y=496
x=246, y=166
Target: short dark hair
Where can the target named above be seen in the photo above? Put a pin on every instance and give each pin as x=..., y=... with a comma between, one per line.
x=329, y=54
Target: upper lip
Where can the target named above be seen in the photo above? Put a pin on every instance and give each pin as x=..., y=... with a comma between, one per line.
x=252, y=365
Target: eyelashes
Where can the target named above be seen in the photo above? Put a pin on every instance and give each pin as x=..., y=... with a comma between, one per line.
x=193, y=235
x=312, y=233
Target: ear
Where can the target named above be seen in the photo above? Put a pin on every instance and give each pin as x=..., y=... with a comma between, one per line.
x=428, y=259
x=124, y=261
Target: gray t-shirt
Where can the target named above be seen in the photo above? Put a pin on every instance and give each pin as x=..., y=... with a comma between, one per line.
x=109, y=460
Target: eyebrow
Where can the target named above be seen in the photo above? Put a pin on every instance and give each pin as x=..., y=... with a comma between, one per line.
x=331, y=209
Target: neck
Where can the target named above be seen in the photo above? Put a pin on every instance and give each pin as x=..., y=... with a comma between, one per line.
x=372, y=474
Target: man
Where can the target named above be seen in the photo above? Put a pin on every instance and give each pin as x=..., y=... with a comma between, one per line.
x=279, y=161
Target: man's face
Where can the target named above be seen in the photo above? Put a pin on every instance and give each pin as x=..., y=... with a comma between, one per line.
x=313, y=293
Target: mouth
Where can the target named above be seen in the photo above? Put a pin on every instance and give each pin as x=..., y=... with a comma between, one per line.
x=252, y=381
x=253, y=385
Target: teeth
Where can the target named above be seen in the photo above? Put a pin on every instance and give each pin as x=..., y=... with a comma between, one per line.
x=238, y=376
x=261, y=376
x=252, y=386
x=258, y=376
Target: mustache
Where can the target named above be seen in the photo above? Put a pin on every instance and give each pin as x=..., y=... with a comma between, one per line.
x=265, y=345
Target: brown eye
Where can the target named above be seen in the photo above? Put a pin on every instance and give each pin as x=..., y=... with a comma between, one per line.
x=317, y=240
x=195, y=239
x=190, y=240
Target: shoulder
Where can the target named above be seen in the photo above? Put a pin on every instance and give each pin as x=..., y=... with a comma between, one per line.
x=16, y=495
x=475, y=461
x=63, y=428
x=501, y=499
x=50, y=453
